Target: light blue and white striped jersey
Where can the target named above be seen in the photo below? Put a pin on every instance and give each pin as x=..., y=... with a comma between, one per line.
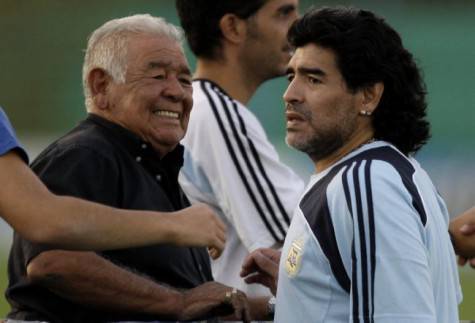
x=369, y=242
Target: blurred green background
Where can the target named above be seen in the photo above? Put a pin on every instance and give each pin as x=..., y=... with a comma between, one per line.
x=41, y=52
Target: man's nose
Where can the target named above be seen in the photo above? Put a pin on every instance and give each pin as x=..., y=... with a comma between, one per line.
x=293, y=93
x=174, y=90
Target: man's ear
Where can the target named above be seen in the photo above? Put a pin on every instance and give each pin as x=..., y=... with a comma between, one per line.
x=371, y=95
x=98, y=81
x=233, y=28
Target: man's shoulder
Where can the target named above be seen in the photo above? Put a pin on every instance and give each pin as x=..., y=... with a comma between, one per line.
x=381, y=161
x=379, y=158
x=85, y=137
x=209, y=94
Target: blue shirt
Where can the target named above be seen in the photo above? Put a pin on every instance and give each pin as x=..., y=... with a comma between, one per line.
x=8, y=140
x=369, y=243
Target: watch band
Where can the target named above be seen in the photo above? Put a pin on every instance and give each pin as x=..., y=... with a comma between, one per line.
x=271, y=307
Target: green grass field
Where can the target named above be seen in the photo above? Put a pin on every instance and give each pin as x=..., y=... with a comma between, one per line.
x=467, y=276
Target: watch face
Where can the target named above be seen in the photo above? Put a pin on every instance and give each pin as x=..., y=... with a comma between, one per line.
x=272, y=300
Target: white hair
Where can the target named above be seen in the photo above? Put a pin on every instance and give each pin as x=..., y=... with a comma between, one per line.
x=107, y=45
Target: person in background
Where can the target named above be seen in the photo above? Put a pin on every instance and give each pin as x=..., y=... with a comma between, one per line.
x=229, y=162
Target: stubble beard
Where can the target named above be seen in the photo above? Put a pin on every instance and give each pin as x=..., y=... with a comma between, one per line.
x=321, y=143
x=319, y=146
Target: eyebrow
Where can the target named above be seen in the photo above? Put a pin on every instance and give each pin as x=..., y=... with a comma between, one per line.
x=182, y=69
x=307, y=70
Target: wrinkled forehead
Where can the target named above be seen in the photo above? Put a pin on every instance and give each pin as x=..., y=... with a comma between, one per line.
x=150, y=51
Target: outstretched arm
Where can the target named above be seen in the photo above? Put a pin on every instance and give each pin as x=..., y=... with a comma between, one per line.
x=42, y=217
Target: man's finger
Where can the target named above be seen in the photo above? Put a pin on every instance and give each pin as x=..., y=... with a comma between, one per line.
x=222, y=236
x=272, y=254
x=214, y=252
x=249, y=265
x=461, y=261
x=468, y=229
x=259, y=279
x=266, y=264
x=253, y=279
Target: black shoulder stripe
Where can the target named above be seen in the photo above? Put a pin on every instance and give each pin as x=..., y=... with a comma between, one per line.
x=372, y=233
x=363, y=266
x=354, y=259
x=344, y=178
x=405, y=170
x=250, y=167
x=314, y=206
x=236, y=162
x=262, y=169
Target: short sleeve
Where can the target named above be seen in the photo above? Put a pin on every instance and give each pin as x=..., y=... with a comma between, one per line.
x=390, y=270
x=8, y=140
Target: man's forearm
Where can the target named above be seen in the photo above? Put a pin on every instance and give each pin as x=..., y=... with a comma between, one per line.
x=90, y=280
x=40, y=216
x=87, y=279
x=67, y=222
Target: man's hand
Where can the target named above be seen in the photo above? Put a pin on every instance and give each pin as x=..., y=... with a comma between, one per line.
x=198, y=225
x=262, y=267
x=215, y=299
x=462, y=229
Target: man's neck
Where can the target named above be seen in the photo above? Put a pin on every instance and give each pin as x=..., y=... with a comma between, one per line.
x=360, y=139
x=229, y=76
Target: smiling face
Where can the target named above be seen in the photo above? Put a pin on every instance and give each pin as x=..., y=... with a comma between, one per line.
x=321, y=112
x=155, y=100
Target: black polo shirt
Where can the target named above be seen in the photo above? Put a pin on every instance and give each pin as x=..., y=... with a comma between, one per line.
x=103, y=162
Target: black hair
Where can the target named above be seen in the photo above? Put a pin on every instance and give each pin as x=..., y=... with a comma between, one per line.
x=369, y=51
x=200, y=21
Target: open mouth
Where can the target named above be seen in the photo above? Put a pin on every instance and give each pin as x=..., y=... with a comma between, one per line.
x=293, y=116
x=167, y=114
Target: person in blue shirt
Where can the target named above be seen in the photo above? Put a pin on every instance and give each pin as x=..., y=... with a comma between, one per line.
x=40, y=216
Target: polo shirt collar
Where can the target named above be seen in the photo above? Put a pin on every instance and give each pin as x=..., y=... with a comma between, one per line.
x=140, y=149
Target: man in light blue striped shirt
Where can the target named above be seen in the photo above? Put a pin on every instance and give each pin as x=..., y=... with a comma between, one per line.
x=369, y=239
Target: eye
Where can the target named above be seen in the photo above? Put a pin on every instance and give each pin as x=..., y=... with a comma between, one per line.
x=160, y=76
x=290, y=77
x=185, y=80
x=313, y=80
x=286, y=11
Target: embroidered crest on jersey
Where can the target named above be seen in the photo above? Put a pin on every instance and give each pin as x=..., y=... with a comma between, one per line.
x=294, y=257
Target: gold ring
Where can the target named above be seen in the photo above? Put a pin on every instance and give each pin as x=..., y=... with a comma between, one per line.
x=228, y=297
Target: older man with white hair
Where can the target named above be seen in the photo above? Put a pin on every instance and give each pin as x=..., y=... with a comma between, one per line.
x=126, y=153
